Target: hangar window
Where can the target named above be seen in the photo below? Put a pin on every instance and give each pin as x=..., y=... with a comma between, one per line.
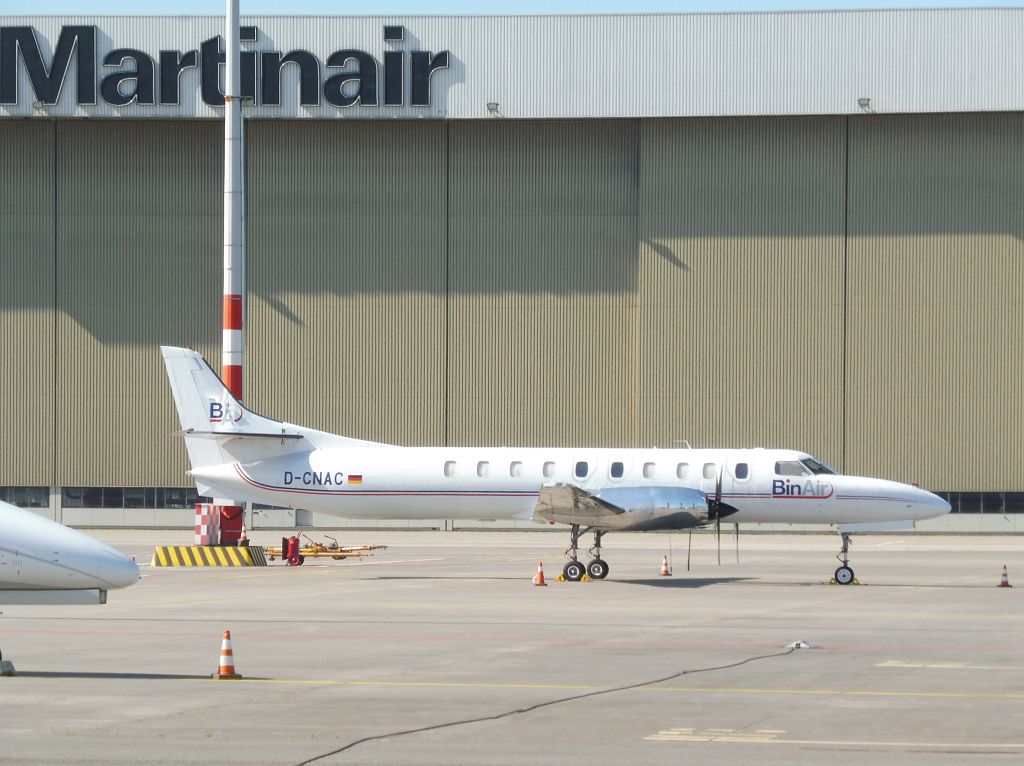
x=26, y=497
x=682, y=470
x=616, y=470
x=515, y=469
x=549, y=470
x=648, y=470
x=582, y=469
x=742, y=471
x=710, y=471
x=450, y=468
x=791, y=468
x=483, y=468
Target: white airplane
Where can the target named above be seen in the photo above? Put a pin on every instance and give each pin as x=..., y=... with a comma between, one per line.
x=43, y=562
x=237, y=453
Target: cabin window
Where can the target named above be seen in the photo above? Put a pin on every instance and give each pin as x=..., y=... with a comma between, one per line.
x=710, y=471
x=582, y=469
x=549, y=470
x=648, y=470
x=742, y=470
x=617, y=470
x=483, y=468
x=515, y=469
x=450, y=468
x=816, y=466
x=682, y=470
x=791, y=468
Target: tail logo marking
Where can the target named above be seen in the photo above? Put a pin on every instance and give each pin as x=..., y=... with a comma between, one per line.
x=224, y=412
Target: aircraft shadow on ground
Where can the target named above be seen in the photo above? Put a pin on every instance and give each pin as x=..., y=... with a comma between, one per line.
x=689, y=582
x=685, y=582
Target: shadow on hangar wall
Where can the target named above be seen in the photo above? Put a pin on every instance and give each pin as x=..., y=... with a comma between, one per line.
x=348, y=206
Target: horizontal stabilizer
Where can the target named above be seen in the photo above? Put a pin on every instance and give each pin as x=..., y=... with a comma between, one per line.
x=237, y=435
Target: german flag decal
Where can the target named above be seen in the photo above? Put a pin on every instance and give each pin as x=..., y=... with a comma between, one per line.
x=355, y=478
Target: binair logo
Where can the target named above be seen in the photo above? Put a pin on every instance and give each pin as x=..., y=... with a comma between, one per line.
x=809, y=490
x=224, y=412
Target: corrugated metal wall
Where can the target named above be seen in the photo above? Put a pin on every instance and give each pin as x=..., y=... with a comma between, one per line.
x=936, y=324
x=27, y=343
x=543, y=280
x=741, y=283
x=346, y=271
x=138, y=233
x=588, y=282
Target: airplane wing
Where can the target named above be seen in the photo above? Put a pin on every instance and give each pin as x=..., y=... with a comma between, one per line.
x=569, y=504
x=623, y=507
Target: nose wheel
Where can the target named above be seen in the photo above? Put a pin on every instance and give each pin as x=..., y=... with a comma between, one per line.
x=574, y=570
x=844, y=574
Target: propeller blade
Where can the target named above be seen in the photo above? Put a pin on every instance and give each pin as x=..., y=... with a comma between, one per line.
x=736, y=526
x=718, y=537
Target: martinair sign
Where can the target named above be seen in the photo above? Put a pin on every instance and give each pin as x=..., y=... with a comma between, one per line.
x=127, y=77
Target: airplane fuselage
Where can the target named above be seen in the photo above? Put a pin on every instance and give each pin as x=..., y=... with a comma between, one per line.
x=757, y=485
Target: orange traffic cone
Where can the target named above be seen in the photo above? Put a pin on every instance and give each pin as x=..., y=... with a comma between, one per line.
x=243, y=540
x=226, y=669
x=1004, y=582
x=664, y=567
x=538, y=579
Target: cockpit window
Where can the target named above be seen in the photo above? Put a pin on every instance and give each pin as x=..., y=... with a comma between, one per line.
x=815, y=466
x=791, y=468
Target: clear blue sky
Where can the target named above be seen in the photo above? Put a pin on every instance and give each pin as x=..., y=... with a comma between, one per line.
x=450, y=7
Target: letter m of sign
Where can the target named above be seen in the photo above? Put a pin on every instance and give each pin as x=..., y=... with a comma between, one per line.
x=47, y=81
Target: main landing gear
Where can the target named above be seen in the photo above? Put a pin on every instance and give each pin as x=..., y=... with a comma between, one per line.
x=573, y=571
x=844, y=575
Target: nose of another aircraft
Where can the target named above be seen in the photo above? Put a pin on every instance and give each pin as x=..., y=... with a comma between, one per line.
x=117, y=570
x=928, y=505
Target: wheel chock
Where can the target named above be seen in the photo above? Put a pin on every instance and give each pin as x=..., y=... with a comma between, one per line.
x=834, y=581
x=560, y=578
x=585, y=578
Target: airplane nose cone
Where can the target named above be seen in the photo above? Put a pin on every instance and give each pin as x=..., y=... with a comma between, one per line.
x=929, y=505
x=118, y=571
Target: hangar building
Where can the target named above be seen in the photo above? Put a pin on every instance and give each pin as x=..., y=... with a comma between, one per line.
x=753, y=229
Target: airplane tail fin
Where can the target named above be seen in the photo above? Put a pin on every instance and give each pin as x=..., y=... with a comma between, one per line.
x=219, y=429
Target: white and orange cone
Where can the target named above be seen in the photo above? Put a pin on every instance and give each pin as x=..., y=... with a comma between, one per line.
x=1004, y=582
x=243, y=539
x=665, y=572
x=538, y=579
x=226, y=668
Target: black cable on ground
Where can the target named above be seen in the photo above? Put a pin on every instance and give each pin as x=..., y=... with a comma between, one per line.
x=539, y=705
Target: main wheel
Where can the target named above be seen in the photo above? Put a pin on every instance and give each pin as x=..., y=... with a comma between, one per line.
x=573, y=571
x=597, y=569
x=844, y=575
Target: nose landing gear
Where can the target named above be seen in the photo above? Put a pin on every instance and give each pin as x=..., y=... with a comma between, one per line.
x=574, y=571
x=844, y=574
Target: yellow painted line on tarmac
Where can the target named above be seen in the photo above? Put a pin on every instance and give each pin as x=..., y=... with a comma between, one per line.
x=901, y=665
x=729, y=736
x=841, y=692
x=672, y=689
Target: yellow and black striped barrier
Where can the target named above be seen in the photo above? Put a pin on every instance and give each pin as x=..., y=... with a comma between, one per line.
x=208, y=556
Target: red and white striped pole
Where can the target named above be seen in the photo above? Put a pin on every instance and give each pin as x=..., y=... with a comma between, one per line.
x=232, y=512
x=234, y=253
